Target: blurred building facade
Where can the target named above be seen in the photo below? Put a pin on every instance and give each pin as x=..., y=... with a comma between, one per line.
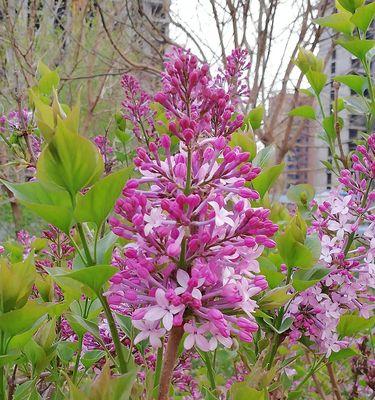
x=338, y=61
x=300, y=160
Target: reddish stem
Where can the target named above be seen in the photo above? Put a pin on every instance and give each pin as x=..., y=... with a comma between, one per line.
x=175, y=337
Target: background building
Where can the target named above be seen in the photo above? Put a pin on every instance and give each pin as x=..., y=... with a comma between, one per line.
x=338, y=61
x=300, y=162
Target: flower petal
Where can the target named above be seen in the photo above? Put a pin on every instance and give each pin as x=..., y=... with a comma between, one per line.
x=155, y=313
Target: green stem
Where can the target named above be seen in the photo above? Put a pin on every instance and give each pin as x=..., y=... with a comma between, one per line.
x=188, y=174
x=123, y=368
x=159, y=363
x=84, y=244
x=311, y=371
x=210, y=371
x=96, y=242
x=78, y=357
x=2, y=369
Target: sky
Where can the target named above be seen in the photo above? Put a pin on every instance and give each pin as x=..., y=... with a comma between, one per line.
x=197, y=16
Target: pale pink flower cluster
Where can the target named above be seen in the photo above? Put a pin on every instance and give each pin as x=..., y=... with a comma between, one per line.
x=345, y=223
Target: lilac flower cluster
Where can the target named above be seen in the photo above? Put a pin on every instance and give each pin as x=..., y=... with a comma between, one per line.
x=193, y=236
x=136, y=109
x=345, y=223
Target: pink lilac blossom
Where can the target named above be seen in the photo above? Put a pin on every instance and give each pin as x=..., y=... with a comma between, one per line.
x=193, y=236
x=106, y=150
x=345, y=224
x=136, y=109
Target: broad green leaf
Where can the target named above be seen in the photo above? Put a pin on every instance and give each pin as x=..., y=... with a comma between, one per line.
x=48, y=201
x=264, y=156
x=16, y=283
x=340, y=22
x=27, y=391
x=125, y=324
x=69, y=161
x=301, y=194
x=329, y=126
x=303, y=111
x=350, y=5
x=107, y=387
x=363, y=16
x=104, y=249
x=71, y=289
x=317, y=80
x=306, y=61
x=357, y=47
x=255, y=117
x=34, y=353
x=81, y=325
x=351, y=324
x=263, y=182
x=18, y=342
x=91, y=357
x=269, y=270
x=66, y=350
x=19, y=321
x=312, y=242
x=44, y=116
x=357, y=83
x=42, y=68
x=242, y=391
x=246, y=141
x=275, y=298
x=72, y=116
x=97, y=203
x=303, y=279
x=48, y=82
x=94, y=277
x=343, y=354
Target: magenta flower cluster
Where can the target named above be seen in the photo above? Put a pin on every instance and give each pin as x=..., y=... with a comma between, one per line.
x=345, y=223
x=193, y=237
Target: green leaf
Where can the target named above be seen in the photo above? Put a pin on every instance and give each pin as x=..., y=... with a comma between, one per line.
x=301, y=194
x=275, y=298
x=351, y=324
x=317, y=80
x=107, y=387
x=329, y=126
x=69, y=161
x=264, y=156
x=303, y=111
x=267, y=178
x=254, y=118
x=66, y=350
x=16, y=283
x=97, y=203
x=27, y=391
x=246, y=141
x=94, y=277
x=81, y=326
x=363, y=16
x=306, y=61
x=242, y=391
x=357, y=47
x=19, y=321
x=305, y=278
x=91, y=357
x=269, y=270
x=357, y=83
x=340, y=22
x=350, y=5
x=343, y=354
x=49, y=202
x=48, y=82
